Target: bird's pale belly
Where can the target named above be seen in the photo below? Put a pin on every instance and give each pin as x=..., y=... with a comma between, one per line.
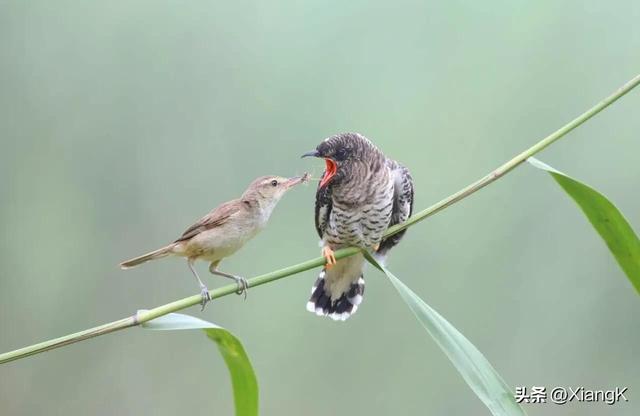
x=216, y=244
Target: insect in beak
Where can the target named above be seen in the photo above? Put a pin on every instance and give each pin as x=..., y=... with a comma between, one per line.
x=296, y=180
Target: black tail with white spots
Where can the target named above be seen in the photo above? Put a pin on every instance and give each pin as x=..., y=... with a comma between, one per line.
x=338, y=291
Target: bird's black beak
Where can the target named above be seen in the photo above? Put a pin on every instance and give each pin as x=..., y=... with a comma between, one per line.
x=313, y=153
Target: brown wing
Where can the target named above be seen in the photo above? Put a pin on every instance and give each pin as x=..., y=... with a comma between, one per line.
x=215, y=218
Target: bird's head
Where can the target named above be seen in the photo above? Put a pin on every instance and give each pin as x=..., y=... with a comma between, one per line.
x=269, y=189
x=340, y=152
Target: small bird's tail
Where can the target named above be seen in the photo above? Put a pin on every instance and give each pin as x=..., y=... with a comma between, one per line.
x=157, y=254
x=338, y=291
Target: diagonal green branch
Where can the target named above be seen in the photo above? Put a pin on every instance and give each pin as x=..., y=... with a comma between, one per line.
x=319, y=261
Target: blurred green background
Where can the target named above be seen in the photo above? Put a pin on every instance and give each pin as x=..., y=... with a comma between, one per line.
x=123, y=122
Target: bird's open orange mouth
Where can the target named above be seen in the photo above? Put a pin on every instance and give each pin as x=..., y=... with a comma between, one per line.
x=329, y=173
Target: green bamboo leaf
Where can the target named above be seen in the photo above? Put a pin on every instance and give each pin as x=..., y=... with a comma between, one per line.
x=605, y=218
x=243, y=378
x=483, y=379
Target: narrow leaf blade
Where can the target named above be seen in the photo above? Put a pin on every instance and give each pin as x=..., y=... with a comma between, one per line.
x=243, y=378
x=476, y=370
x=608, y=221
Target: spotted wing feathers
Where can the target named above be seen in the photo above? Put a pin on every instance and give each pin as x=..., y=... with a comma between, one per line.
x=402, y=203
x=323, y=209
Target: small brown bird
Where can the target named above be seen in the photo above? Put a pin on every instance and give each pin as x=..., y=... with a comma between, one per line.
x=362, y=193
x=225, y=230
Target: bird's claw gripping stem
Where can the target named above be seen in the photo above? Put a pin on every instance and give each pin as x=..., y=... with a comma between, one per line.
x=243, y=286
x=329, y=255
x=242, y=283
x=206, y=297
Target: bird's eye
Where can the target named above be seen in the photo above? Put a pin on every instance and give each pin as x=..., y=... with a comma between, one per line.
x=274, y=183
x=341, y=154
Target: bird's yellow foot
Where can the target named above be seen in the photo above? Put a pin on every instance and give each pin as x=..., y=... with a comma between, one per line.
x=328, y=254
x=376, y=247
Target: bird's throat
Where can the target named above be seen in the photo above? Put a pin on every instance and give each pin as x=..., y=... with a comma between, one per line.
x=329, y=173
